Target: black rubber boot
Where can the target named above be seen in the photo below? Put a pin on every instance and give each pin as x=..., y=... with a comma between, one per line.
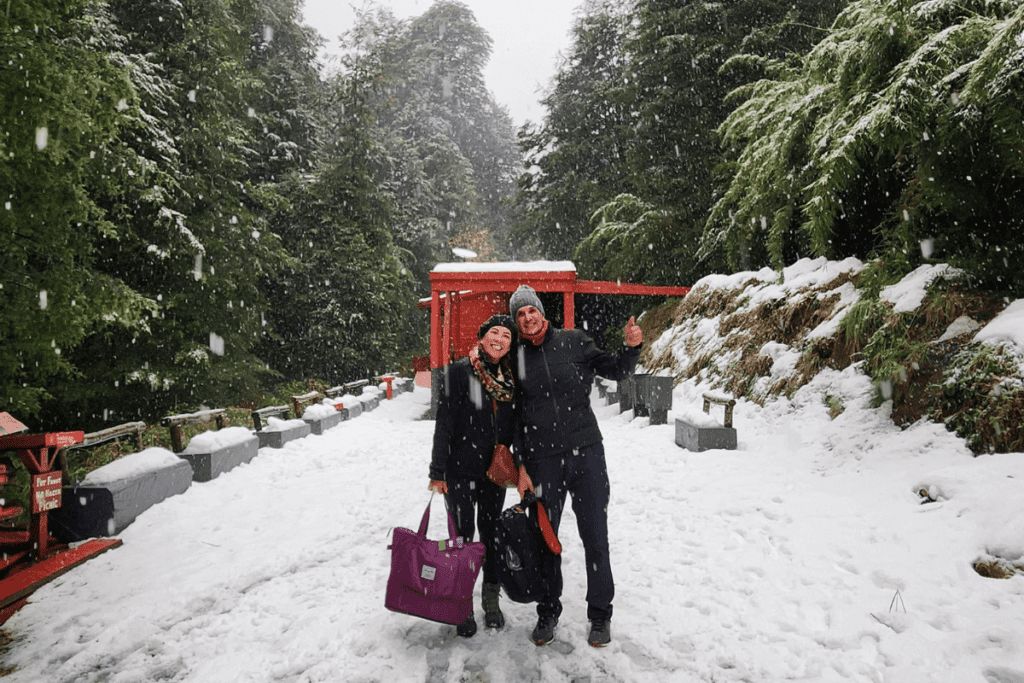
x=493, y=618
x=467, y=629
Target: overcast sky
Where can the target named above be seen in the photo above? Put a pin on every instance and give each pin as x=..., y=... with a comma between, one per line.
x=528, y=36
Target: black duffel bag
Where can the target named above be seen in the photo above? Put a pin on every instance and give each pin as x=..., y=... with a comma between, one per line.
x=528, y=547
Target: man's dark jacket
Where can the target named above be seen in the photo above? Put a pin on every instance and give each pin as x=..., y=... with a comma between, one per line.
x=553, y=383
x=466, y=426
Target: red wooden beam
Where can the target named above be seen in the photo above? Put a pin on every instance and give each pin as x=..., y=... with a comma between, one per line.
x=22, y=584
x=599, y=287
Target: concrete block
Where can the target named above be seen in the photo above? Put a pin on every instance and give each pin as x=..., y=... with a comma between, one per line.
x=207, y=466
x=626, y=394
x=370, y=403
x=92, y=510
x=652, y=397
x=319, y=425
x=278, y=438
x=695, y=438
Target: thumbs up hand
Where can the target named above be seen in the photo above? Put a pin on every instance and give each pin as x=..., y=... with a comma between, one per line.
x=633, y=335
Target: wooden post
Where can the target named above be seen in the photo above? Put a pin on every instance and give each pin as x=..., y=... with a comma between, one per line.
x=435, y=329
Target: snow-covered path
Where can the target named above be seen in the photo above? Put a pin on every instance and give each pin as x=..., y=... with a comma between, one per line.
x=806, y=554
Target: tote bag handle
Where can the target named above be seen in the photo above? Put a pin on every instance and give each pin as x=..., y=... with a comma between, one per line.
x=453, y=533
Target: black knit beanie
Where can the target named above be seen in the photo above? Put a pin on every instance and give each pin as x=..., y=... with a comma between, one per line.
x=499, y=320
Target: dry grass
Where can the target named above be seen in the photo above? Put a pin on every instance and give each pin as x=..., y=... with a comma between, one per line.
x=897, y=349
x=5, y=644
x=998, y=568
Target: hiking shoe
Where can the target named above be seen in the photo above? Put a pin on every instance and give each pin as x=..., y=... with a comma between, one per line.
x=467, y=629
x=544, y=631
x=600, y=633
x=493, y=618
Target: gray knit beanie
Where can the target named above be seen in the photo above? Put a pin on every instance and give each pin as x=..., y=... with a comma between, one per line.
x=524, y=296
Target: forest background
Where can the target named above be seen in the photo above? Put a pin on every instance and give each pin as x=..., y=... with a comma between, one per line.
x=197, y=213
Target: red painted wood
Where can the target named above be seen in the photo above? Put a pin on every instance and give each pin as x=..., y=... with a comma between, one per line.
x=599, y=287
x=59, y=439
x=25, y=582
x=10, y=512
x=9, y=538
x=7, y=612
x=456, y=298
x=10, y=425
x=10, y=559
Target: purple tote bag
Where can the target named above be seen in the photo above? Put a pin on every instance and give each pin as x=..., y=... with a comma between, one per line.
x=433, y=579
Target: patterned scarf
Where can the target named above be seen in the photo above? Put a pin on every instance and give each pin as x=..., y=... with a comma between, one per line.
x=496, y=377
x=536, y=339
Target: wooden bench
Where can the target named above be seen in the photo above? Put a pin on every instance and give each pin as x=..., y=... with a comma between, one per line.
x=132, y=429
x=277, y=438
x=300, y=402
x=174, y=423
x=270, y=411
x=729, y=404
x=697, y=435
x=209, y=464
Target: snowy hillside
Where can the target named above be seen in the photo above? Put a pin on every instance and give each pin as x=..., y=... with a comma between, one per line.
x=809, y=553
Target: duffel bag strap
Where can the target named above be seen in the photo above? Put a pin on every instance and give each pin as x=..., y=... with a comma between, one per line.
x=547, y=531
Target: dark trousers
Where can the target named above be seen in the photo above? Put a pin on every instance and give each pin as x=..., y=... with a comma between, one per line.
x=465, y=493
x=583, y=474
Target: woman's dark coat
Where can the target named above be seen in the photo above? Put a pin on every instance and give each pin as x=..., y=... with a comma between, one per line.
x=466, y=424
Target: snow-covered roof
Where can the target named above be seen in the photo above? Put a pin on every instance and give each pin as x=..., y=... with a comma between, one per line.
x=506, y=267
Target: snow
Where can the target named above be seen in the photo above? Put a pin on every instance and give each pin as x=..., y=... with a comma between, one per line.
x=318, y=411
x=695, y=415
x=276, y=424
x=1007, y=330
x=130, y=466
x=506, y=267
x=1008, y=326
x=962, y=325
x=212, y=440
x=808, y=553
x=908, y=293
x=805, y=554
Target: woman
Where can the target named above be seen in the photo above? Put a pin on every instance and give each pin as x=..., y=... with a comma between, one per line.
x=474, y=416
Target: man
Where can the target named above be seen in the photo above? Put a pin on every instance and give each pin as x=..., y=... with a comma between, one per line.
x=559, y=448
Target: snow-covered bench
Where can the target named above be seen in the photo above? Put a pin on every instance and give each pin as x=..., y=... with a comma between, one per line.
x=323, y=416
x=112, y=496
x=212, y=453
x=699, y=431
x=274, y=429
x=277, y=432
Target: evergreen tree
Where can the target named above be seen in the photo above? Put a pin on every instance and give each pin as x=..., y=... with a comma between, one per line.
x=632, y=121
x=575, y=159
x=65, y=96
x=341, y=305
x=217, y=116
x=902, y=128
x=448, y=151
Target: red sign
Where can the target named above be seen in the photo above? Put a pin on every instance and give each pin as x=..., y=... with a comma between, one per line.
x=62, y=439
x=46, y=491
x=9, y=425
